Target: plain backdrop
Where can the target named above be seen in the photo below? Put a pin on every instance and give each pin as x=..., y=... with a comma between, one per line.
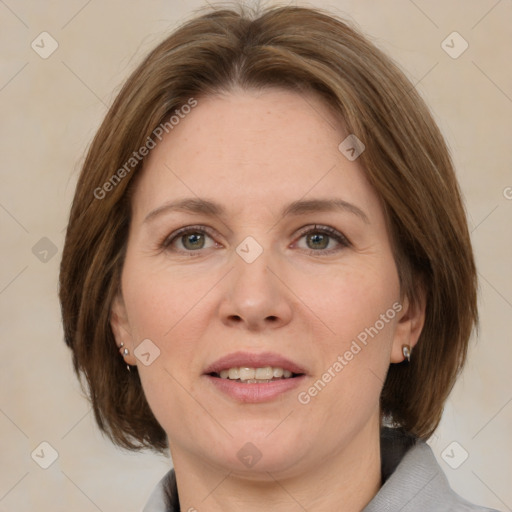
x=50, y=110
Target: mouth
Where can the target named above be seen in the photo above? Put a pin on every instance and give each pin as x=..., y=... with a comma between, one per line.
x=254, y=378
x=246, y=367
x=261, y=375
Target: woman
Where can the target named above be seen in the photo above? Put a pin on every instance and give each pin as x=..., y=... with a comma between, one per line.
x=268, y=270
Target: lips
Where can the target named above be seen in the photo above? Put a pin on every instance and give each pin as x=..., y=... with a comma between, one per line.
x=249, y=360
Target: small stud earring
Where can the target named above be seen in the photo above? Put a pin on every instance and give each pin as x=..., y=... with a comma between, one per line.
x=406, y=351
x=125, y=352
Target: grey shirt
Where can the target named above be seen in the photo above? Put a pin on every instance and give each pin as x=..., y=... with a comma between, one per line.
x=413, y=481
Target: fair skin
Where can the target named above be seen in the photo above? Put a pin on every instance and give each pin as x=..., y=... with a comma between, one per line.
x=306, y=297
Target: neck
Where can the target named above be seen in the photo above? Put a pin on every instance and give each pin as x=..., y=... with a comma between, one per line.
x=347, y=481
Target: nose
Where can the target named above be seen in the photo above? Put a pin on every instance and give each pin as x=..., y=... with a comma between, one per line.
x=255, y=295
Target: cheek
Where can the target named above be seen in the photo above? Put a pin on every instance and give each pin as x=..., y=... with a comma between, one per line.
x=167, y=307
x=359, y=306
x=160, y=298
x=352, y=299
x=158, y=312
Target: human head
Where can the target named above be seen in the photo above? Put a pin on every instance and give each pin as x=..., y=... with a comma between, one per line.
x=405, y=160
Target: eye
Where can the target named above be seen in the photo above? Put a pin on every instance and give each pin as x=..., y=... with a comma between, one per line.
x=191, y=239
x=318, y=239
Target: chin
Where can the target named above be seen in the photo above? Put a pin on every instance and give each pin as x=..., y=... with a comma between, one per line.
x=253, y=456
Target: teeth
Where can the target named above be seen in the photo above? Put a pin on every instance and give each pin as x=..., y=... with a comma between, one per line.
x=233, y=373
x=264, y=373
x=278, y=372
x=255, y=375
x=247, y=373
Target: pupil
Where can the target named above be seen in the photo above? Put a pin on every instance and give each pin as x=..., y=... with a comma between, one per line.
x=193, y=239
x=319, y=237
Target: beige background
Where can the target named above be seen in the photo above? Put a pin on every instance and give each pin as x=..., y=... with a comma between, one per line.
x=50, y=111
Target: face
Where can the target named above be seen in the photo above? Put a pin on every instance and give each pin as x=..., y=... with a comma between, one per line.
x=277, y=280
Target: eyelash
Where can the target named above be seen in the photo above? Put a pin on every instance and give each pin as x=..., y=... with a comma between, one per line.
x=332, y=233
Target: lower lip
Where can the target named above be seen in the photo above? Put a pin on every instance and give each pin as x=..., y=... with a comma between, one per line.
x=255, y=393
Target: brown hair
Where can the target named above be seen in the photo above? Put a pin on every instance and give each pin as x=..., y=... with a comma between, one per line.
x=406, y=160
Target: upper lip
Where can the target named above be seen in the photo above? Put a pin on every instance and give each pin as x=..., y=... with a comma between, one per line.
x=249, y=360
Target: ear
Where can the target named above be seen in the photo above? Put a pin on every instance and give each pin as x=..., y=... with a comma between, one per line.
x=121, y=329
x=409, y=326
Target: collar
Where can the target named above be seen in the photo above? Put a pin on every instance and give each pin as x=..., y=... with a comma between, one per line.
x=412, y=480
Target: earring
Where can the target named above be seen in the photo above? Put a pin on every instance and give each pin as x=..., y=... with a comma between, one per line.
x=124, y=352
x=406, y=351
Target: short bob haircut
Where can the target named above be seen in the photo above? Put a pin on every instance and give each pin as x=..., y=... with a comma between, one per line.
x=406, y=161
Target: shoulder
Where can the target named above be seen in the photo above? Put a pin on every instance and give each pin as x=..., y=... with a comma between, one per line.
x=437, y=488
x=418, y=484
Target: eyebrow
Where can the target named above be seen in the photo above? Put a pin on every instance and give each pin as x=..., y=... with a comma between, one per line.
x=296, y=208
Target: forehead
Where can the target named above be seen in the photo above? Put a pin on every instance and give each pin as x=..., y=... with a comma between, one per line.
x=253, y=149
